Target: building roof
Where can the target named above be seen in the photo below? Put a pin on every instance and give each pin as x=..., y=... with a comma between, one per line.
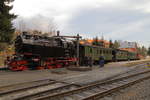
x=90, y=41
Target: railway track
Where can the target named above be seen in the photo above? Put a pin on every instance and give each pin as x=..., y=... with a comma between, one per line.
x=59, y=90
x=33, y=89
x=97, y=90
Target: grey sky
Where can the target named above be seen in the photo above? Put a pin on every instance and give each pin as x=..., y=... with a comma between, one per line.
x=115, y=19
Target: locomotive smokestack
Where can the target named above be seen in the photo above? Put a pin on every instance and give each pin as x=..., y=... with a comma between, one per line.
x=58, y=33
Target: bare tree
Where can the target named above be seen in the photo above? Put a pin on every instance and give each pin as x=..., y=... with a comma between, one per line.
x=52, y=27
x=37, y=24
x=21, y=26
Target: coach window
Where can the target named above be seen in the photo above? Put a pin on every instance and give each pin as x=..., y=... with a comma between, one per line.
x=90, y=50
x=110, y=52
x=120, y=53
x=104, y=51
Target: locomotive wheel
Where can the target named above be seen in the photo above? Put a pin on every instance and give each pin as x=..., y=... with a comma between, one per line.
x=49, y=67
x=19, y=68
x=66, y=64
x=58, y=66
x=22, y=68
x=40, y=67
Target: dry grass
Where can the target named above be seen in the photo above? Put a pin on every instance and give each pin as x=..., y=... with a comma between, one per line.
x=3, y=56
x=1, y=61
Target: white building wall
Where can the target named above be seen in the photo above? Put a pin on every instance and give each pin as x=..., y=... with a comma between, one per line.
x=126, y=44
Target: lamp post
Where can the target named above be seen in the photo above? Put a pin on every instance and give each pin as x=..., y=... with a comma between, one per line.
x=78, y=52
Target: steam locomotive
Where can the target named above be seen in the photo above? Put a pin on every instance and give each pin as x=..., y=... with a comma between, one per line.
x=40, y=52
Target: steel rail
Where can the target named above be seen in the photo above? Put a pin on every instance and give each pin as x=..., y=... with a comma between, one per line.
x=57, y=95
x=33, y=84
x=32, y=96
x=107, y=92
x=48, y=91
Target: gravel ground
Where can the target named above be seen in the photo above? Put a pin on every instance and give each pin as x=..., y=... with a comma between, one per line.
x=76, y=77
x=79, y=77
x=139, y=91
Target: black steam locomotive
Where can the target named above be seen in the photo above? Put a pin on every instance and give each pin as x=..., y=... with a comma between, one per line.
x=40, y=52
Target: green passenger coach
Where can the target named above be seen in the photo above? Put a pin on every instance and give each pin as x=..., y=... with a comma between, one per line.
x=95, y=52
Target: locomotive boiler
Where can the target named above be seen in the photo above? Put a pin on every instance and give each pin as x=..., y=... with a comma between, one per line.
x=38, y=52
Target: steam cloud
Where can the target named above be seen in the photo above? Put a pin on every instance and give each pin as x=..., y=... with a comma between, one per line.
x=37, y=22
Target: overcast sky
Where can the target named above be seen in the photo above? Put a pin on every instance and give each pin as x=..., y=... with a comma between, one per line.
x=115, y=19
